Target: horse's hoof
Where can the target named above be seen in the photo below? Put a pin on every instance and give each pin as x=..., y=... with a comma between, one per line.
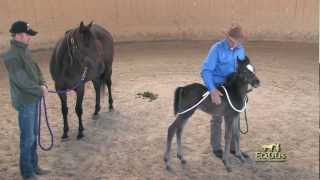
x=183, y=161
x=229, y=169
x=80, y=136
x=168, y=168
x=64, y=137
x=95, y=116
x=241, y=158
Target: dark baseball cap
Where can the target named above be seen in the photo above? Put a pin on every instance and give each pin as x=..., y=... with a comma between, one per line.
x=22, y=27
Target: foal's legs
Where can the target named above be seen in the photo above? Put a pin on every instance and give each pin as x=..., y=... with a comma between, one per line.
x=227, y=138
x=176, y=128
x=97, y=88
x=179, y=148
x=80, y=94
x=236, y=137
x=171, y=131
x=64, y=109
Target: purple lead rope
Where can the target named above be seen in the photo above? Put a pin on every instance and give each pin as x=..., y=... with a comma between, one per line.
x=48, y=125
x=38, y=118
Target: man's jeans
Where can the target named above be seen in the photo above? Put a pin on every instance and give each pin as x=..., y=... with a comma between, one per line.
x=216, y=134
x=28, y=139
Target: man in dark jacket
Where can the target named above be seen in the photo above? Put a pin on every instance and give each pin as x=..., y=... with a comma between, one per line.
x=27, y=87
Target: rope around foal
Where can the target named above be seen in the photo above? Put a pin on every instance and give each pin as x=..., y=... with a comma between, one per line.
x=43, y=101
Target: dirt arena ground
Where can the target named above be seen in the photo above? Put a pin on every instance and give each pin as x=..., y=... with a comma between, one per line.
x=129, y=142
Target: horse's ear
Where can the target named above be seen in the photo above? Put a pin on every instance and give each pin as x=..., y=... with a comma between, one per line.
x=244, y=61
x=91, y=23
x=82, y=26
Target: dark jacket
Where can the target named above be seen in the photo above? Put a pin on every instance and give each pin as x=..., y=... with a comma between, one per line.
x=25, y=76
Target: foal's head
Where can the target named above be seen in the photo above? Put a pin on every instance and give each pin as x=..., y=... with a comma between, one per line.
x=246, y=72
x=244, y=76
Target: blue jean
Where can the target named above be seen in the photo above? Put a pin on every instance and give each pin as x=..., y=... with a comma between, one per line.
x=28, y=125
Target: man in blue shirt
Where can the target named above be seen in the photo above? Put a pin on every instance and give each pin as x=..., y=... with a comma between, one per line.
x=220, y=62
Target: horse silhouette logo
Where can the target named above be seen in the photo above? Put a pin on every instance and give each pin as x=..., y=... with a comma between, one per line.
x=271, y=148
x=271, y=152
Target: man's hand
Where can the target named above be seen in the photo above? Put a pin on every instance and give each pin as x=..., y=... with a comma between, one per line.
x=45, y=90
x=215, y=96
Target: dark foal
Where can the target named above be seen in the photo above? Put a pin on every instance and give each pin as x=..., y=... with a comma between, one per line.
x=84, y=52
x=185, y=97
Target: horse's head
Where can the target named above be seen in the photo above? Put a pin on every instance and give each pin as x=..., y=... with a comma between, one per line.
x=246, y=72
x=82, y=44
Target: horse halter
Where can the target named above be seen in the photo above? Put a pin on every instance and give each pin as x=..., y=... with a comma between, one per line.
x=71, y=42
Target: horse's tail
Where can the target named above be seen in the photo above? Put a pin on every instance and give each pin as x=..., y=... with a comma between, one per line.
x=177, y=99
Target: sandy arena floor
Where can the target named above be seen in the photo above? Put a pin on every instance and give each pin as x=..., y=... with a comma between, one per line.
x=129, y=142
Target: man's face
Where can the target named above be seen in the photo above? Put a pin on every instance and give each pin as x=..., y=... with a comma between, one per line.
x=232, y=42
x=23, y=37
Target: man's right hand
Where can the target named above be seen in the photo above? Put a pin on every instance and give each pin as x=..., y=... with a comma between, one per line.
x=215, y=96
x=45, y=91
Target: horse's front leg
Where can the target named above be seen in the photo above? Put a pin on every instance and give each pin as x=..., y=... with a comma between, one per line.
x=236, y=138
x=227, y=139
x=80, y=94
x=97, y=88
x=64, y=109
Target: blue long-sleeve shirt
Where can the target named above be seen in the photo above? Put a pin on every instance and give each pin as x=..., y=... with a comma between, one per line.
x=220, y=62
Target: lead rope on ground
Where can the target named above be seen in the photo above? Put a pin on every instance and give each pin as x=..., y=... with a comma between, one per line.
x=43, y=103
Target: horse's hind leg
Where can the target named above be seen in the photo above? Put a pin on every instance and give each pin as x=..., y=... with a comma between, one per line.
x=171, y=131
x=109, y=83
x=97, y=88
x=179, y=147
x=80, y=94
x=64, y=109
x=236, y=138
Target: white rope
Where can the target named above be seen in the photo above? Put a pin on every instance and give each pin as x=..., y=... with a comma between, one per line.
x=204, y=96
x=235, y=109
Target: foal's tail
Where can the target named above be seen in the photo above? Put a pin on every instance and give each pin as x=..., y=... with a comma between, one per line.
x=177, y=99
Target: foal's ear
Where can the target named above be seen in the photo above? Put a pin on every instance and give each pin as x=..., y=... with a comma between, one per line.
x=91, y=23
x=244, y=61
x=82, y=26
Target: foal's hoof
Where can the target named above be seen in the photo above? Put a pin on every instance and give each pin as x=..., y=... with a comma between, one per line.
x=95, y=116
x=168, y=168
x=80, y=136
x=182, y=160
x=241, y=158
x=228, y=168
x=245, y=155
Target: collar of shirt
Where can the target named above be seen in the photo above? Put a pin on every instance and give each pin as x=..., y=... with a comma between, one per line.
x=18, y=44
x=226, y=45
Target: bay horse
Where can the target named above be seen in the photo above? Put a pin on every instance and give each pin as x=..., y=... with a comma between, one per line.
x=189, y=98
x=84, y=54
